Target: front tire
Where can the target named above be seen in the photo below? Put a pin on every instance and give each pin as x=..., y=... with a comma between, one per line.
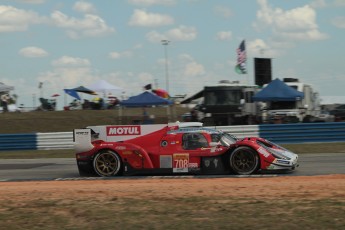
x=107, y=163
x=244, y=161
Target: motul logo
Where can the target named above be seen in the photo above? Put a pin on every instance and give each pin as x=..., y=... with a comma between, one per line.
x=123, y=130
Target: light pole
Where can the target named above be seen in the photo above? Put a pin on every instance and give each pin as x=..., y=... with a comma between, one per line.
x=165, y=43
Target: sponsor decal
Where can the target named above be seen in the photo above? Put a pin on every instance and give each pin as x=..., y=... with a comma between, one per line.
x=211, y=162
x=82, y=133
x=180, y=163
x=193, y=165
x=123, y=130
x=263, y=151
x=215, y=162
x=207, y=163
x=120, y=147
x=106, y=145
x=204, y=148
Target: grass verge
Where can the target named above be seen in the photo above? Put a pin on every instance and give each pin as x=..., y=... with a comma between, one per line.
x=173, y=213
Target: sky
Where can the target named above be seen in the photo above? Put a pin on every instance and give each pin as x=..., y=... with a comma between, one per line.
x=68, y=43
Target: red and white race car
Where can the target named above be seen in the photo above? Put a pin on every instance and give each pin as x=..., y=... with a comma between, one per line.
x=176, y=148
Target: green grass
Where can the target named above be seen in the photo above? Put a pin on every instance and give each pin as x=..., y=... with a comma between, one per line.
x=66, y=121
x=196, y=212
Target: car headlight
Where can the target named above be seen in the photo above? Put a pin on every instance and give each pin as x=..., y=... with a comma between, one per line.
x=278, y=154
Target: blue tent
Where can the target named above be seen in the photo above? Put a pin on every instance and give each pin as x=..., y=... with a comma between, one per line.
x=72, y=93
x=277, y=90
x=144, y=99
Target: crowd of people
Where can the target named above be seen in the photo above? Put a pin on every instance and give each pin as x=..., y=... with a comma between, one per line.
x=96, y=103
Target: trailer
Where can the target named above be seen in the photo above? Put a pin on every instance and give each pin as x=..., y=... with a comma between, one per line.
x=227, y=103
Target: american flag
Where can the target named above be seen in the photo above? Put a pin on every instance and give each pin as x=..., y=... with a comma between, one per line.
x=241, y=59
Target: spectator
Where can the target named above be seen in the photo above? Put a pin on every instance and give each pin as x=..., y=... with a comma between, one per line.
x=4, y=102
x=194, y=115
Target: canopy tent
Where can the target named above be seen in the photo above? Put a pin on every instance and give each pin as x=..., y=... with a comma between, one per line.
x=277, y=90
x=145, y=99
x=83, y=89
x=72, y=93
x=104, y=87
x=5, y=88
x=80, y=89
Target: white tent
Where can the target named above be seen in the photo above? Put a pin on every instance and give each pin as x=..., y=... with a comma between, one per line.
x=5, y=88
x=104, y=87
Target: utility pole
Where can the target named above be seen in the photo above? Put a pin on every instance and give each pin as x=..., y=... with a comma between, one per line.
x=165, y=43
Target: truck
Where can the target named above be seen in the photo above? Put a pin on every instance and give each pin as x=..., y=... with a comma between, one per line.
x=227, y=103
x=305, y=110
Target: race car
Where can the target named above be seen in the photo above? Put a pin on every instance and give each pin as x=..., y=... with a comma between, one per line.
x=174, y=149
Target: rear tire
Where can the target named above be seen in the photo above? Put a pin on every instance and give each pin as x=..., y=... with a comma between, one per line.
x=244, y=161
x=107, y=163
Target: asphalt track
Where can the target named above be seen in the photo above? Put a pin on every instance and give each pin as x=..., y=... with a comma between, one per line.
x=66, y=168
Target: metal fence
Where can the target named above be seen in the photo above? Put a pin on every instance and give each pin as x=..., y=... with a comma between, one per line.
x=278, y=133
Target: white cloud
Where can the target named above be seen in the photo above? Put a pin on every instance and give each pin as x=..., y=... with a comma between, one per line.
x=33, y=52
x=152, y=2
x=14, y=19
x=224, y=36
x=194, y=69
x=181, y=33
x=118, y=55
x=259, y=48
x=191, y=67
x=145, y=19
x=67, y=61
x=154, y=36
x=90, y=26
x=84, y=7
x=295, y=24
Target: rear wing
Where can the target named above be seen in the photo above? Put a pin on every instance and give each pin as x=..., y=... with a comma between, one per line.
x=82, y=140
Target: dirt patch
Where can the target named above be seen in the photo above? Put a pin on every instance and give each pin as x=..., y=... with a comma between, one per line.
x=312, y=187
x=308, y=202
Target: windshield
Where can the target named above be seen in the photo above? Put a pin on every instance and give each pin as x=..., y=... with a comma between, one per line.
x=224, y=138
x=276, y=105
x=223, y=97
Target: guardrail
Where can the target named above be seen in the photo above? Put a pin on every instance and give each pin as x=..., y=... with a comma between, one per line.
x=278, y=133
x=304, y=132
